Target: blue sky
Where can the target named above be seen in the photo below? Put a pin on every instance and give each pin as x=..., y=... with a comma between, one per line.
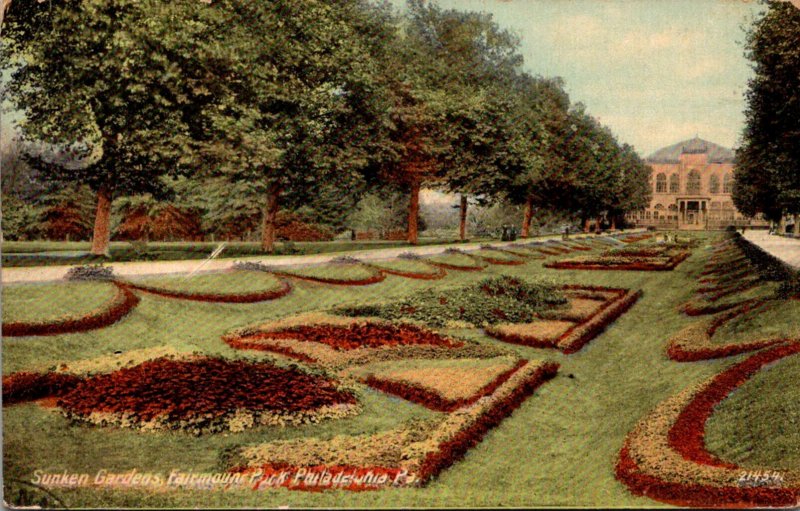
x=655, y=71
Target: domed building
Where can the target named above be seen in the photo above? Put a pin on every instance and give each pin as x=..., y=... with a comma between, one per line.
x=692, y=183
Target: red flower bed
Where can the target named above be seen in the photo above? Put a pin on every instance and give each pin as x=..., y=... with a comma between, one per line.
x=453, y=450
x=438, y=274
x=434, y=401
x=698, y=495
x=635, y=238
x=378, y=276
x=580, y=333
x=687, y=437
x=456, y=267
x=362, y=335
x=117, y=308
x=24, y=386
x=201, y=389
x=260, y=296
x=493, y=260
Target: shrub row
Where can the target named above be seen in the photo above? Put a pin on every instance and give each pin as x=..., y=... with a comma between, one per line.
x=25, y=386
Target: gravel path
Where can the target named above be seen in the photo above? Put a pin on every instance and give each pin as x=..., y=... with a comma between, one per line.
x=135, y=269
x=786, y=249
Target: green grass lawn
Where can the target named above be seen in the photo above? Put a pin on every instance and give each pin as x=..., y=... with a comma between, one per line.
x=239, y=282
x=37, y=302
x=758, y=425
x=407, y=265
x=557, y=449
x=333, y=271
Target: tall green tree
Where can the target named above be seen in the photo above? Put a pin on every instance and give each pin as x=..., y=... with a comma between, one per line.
x=294, y=104
x=96, y=85
x=767, y=175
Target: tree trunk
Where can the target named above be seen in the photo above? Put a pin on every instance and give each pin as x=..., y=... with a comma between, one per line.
x=462, y=228
x=270, y=214
x=413, y=212
x=796, y=229
x=102, y=223
x=526, y=220
x=614, y=223
x=781, y=225
x=586, y=225
x=598, y=221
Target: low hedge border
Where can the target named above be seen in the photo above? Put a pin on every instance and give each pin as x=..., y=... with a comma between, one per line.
x=664, y=457
x=432, y=400
x=123, y=302
x=376, y=277
x=22, y=387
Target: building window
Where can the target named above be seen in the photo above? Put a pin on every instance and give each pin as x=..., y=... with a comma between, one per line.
x=661, y=183
x=713, y=184
x=727, y=184
x=673, y=207
x=674, y=183
x=647, y=215
x=716, y=205
x=693, y=182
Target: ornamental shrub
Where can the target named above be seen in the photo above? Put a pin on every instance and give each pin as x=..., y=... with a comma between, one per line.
x=492, y=300
x=90, y=272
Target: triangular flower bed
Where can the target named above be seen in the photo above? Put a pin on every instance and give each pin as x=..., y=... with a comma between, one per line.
x=569, y=330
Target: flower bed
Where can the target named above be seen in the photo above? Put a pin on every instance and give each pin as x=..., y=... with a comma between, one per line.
x=433, y=389
x=282, y=289
x=634, y=238
x=120, y=305
x=694, y=342
x=454, y=259
x=410, y=269
x=205, y=395
x=411, y=455
x=665, y=457
x=261, y=338
x=355, y=274
x=26, y=386
x=650, y=258
x=519, y=251
x=494, y=256
x=493, y=300
x=568, y=336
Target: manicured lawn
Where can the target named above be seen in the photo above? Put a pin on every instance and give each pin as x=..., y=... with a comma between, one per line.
x=558, y=449
x=757, y=426
x=37, y=302
x=225, y=282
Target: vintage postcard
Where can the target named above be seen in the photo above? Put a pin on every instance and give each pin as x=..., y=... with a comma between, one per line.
x=400, y=253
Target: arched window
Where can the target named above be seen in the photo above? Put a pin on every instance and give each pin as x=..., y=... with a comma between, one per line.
x=674, y=183
x=693, y=182
x=727, y=184
x=673, y=207
x=659, y=207
x=661, y=183
x=713, y=184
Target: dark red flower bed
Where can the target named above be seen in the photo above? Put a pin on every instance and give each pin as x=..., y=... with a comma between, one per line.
x=456, y=267
x=23, y=386
x=434, y=401
x=636, y=237
x=378, y=276
x=202, y=388
x=118, y=308
x=438, y=274
x=493, y=260
x=599, y=321
x=698, y=495
x=453, y=450
x=249, y=342
x=362, y=335
x=620, y=265
x=687, y=437
x=679, y=354
x=260, y=296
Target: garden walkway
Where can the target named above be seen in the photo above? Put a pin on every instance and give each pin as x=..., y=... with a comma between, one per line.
x=133, y=269
x=785, y=249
